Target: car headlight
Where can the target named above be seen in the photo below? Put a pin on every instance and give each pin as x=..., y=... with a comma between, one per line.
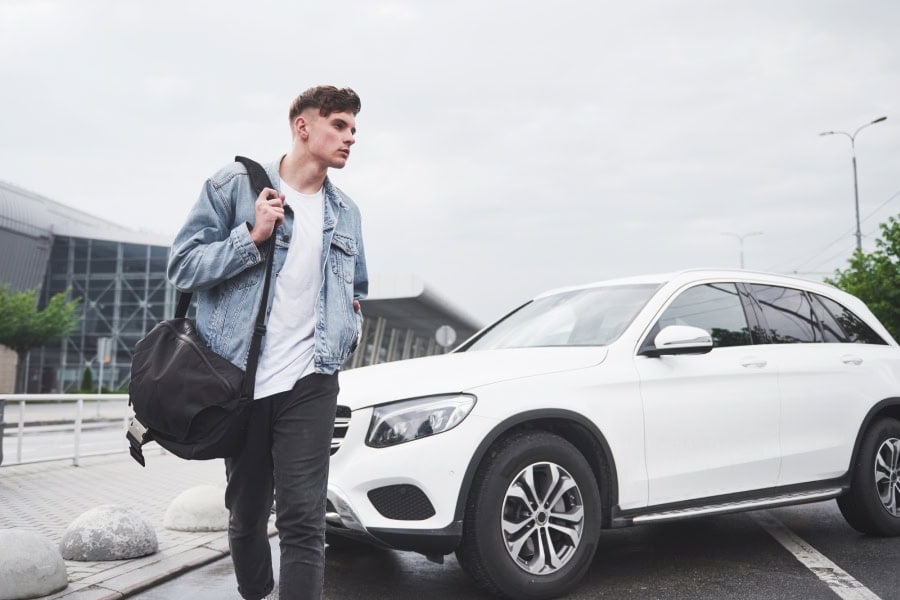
x=408, y=420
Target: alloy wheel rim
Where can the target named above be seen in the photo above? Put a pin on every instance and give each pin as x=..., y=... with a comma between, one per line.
x=542, y=520
x=887, y=475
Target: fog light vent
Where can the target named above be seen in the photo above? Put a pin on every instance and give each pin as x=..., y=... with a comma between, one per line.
x=401, y=502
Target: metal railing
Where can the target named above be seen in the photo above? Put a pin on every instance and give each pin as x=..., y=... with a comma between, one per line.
x=64, y=420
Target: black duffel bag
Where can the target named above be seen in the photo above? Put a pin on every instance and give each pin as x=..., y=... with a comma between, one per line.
x=188, y=399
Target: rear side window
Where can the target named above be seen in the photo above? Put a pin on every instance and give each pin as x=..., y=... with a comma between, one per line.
x=840, y=324
x=831, y=329
x=787, y=314
x=715, y=307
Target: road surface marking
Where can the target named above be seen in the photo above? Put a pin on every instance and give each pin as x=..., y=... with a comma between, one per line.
x=840, y=582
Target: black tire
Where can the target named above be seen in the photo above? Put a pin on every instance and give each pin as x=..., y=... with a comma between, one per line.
x=484, y=552
x=872, y=505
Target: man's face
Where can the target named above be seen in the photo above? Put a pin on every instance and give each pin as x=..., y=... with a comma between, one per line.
x=329, y=138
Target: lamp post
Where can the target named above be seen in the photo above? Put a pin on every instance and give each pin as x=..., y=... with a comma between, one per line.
x=855, y=186
x=741, y=240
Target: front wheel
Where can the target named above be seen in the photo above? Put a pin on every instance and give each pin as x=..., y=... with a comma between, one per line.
x=873, y=503
x=532, y=518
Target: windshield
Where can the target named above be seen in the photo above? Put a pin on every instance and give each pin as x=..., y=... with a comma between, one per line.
x=589, y=317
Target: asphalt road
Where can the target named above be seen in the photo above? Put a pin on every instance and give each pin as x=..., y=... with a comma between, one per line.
x=722, y=557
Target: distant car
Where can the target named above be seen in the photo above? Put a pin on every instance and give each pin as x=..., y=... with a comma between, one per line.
x=614, y=404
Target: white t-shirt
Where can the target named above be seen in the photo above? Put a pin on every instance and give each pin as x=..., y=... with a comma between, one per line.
x=289, y=344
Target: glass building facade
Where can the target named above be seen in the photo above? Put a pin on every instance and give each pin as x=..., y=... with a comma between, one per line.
x=386, y=341
x=123, y=293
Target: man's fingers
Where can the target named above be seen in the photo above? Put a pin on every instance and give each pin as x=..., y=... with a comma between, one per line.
x=270, y=197
x=267, y=193
x=269, y=210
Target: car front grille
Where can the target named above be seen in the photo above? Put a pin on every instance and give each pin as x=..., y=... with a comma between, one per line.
x=341, y=425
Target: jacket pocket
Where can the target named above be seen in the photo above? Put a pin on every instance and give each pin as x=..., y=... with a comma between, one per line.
x=344, y=251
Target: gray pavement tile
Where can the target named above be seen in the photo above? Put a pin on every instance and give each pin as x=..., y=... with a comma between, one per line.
x=46, y=497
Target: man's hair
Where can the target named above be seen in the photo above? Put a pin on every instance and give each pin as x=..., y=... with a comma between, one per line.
x=328, y=99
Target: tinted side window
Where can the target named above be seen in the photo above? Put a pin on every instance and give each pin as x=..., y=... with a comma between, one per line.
x=853, y=329
x=831, y=329
x=715, y=307
x=788, y=314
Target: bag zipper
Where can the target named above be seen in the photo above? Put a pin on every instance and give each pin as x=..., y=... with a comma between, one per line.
x=193, y=344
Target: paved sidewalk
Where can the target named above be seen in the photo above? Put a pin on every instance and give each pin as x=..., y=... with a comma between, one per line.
x=46, y=497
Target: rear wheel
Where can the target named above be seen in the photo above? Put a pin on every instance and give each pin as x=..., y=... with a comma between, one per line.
x=532, y=518
x=873, y=503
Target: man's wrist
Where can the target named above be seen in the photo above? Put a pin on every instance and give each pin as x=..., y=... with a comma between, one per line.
x=252, y=236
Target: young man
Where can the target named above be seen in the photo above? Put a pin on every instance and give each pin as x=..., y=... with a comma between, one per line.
x=319, y=276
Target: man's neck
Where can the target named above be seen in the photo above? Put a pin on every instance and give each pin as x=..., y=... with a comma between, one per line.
x=301, y=173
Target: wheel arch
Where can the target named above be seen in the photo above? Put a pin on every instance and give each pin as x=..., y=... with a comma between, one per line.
x=571, y=426
x=889, y=407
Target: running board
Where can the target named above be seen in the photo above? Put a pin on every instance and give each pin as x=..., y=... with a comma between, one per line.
x=728, y=507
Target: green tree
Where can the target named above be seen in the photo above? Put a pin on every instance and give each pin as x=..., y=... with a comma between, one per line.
x=87, y=381
x=874, y=277
x=23, y=327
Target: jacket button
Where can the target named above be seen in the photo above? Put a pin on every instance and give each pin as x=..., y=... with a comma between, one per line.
x=285, y=238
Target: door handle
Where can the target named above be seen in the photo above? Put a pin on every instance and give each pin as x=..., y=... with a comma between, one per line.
x=851, y=360
x=752, y=362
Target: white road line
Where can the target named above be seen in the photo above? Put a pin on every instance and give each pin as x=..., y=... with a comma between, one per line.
x=840, y=582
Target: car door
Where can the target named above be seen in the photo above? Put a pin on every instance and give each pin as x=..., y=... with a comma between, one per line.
x=828, y=365
x=711, y=420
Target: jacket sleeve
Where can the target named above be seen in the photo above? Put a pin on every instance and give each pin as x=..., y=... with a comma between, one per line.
x=361, y=275
x=211, y=248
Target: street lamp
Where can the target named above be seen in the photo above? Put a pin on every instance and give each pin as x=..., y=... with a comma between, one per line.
x=855, y=186
x=741, y=240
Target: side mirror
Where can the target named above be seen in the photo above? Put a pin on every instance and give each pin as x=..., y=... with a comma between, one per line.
x=680, y=339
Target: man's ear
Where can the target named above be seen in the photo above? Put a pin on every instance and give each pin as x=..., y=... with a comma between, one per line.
x=300, y=127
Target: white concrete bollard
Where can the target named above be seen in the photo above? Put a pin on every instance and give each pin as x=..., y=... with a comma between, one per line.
x=108, y=532
x=200, y=508
x=30, y=566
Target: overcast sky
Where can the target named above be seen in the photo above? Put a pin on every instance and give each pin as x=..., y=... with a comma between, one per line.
x=504, y=147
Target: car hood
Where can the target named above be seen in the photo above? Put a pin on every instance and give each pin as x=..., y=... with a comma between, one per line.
x=457, y=372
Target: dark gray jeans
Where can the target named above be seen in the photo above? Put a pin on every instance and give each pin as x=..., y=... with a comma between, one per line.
x=287, y=450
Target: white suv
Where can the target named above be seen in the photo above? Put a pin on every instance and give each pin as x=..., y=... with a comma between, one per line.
x=614, y=404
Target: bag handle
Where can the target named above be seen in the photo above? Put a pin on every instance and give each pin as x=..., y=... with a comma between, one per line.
x=259, y=179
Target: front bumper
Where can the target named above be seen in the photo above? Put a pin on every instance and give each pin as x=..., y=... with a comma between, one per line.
x=342, y=520
x=426, y=476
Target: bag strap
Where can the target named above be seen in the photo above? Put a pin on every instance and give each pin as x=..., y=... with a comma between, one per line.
x=259, y=179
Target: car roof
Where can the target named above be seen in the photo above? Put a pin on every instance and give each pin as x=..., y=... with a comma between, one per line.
x=701, y=274
x=677, y=279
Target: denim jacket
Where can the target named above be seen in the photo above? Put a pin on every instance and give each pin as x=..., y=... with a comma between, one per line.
x=214, y=257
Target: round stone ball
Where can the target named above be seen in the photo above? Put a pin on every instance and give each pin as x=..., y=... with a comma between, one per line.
x=108, y=532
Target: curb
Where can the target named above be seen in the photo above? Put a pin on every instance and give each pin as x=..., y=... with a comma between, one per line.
x=124, y=579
